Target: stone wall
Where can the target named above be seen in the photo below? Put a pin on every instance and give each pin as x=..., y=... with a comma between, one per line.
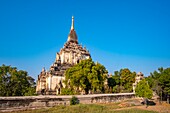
x=33, y=102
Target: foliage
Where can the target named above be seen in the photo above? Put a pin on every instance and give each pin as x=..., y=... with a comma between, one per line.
x=89, y=76
x=67, y=91
x=143, y=90
x=30, y=91
x=86, y=76
x=15, y=82
x=127, y=79
x=116, y=89
x=74, y=100
x=111, y=83
x=123, y=80
x=159, y=81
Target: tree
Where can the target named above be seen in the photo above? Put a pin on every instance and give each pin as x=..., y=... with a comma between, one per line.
x=111, y=83
x=116, y=77
x=86, y=76
x=159, y=81
x=15, y=82
x=143, y=90
x=124, y=80
x=127, y=79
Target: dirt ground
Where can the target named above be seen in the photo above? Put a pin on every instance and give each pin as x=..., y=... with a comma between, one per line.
x=161, y=108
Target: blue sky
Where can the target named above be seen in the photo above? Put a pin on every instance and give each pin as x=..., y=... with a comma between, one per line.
x=132, y=34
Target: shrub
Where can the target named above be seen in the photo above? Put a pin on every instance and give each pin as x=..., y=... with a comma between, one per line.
x=67, y=91
x=74, y=100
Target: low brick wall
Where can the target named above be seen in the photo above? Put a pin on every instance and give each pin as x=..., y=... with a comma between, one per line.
x=33, y=102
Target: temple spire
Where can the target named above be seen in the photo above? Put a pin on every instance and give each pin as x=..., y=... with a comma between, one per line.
x=72, y=37
x=72, y=25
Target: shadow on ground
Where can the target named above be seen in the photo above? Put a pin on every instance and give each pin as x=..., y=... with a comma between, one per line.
x=149, y=103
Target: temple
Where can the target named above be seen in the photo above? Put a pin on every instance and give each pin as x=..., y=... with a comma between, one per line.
x=50, y=82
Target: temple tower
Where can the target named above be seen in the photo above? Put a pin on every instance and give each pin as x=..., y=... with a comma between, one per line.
x=71, y=54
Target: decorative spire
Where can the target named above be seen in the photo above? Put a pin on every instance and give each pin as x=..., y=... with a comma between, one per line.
x=72, y=37
x=72, y=25
x=43, y=69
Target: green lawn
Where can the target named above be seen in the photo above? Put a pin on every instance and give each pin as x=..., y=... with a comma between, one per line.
x=87, y=108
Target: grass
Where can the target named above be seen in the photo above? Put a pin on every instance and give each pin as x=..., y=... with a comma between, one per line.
x=87, y=108
x=133, y=111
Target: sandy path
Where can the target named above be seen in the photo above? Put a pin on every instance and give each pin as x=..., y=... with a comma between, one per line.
x=163, y=108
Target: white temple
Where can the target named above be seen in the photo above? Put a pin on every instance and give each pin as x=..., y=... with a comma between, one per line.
x=51, y=82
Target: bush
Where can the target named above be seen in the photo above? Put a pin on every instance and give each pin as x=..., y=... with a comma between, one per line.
x=67, y=91
x=74, y=100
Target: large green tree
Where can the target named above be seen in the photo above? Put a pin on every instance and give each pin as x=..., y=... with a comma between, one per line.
x=143, y=90
x=15, y=82
x=86, y=76
x=159, y=81
x=127, y=79
x=124, y=80
x=111, y=83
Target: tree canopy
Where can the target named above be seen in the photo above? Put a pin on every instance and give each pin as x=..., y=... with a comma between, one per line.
x=159, y=81
x=143, y=90
x=123, y=80
x=15, y=82
x=86, y=76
